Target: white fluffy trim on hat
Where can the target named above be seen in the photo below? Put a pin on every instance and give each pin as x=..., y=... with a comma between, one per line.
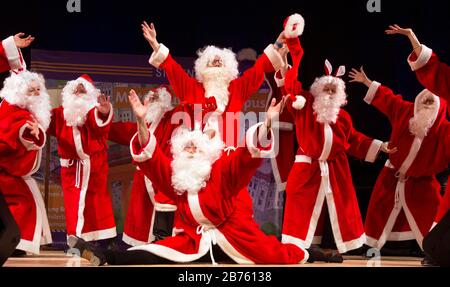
x=289, y=30
x=299, y=102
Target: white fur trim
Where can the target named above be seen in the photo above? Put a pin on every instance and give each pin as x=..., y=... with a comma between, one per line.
x=158, y=57
x=292, y=20
x=147, y=151
x=425, y=93
x=99, y=234
x=422, y=59
x=372, y=92
x=299, y=103
x=274, y=57
x=303, y=159
x=287, y=239
x=131, y=241
x=99, y=121
x=252, y=138
x=165, y=207
x=12, y=53
x=328, y=142
x=30, y=145
x=373, y=151
x=279, y=81
x=283, y=126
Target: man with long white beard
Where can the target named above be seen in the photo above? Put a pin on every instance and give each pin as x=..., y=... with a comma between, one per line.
x=10, y=54
x=204, y=182
x=321, y=173
x=24, y=117
x=81, y=126
x=406, y=195
x=150, y=214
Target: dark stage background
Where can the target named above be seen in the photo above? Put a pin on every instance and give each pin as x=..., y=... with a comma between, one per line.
x=342, y=31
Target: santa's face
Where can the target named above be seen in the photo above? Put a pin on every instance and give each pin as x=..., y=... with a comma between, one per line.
x=329, y=96
x=423, y=119
x=215, y=62
x=329, y=89
x=427, y=103
x=34, y=89
x=80, y=90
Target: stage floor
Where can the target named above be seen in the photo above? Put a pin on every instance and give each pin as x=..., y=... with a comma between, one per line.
x=60, y=259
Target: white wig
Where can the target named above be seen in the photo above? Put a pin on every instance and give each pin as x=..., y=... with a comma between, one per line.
x=207, y=54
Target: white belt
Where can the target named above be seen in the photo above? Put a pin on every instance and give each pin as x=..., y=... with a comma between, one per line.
x=400, y=187
x=208, y=232
x=69, y=163
x=325, y=185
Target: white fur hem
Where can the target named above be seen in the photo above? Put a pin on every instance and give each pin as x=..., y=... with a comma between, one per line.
x=252, y=139
x=422, y=59
x=352, y=245
x=99, y=121
x=165, y=207
x=373, y=151
x=158, y=57
x=99, y=234
x=372, y=92
x=147, y=151
x=30, y=145
x=12, y=53
x=131, y=241
x=28, y=246
x=274, y=57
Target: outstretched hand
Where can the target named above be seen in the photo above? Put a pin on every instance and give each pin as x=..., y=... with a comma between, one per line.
x=274, y=111
x=22, y=42
x=149, y=33
x=104, y=104
x=33, y=125
x=385, y=148
x=359, y=77
x=139, y=109
x=396, y=29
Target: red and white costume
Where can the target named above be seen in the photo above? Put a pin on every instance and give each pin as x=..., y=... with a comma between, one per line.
x=20, y=153
x=82, y=149
x=407, y=183
x=11, y=56
x=435, y=76
x=321, y=173
x=211, y=215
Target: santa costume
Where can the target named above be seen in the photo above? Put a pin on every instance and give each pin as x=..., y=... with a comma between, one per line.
x=20, y=153
x=321, y=173
x=434, y=76
x=82, y=132
x=150, y=213
x=407, y=184
x=11, y=56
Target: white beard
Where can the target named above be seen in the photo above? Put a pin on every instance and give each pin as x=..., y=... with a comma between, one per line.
x=215, y=82
x=41, y=108
x=77, y=107
x=327, y=109
x=154, y=113
x=190, y=172
x=420, y=124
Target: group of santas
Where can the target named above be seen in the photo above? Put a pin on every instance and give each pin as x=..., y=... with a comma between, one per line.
x=199, y=177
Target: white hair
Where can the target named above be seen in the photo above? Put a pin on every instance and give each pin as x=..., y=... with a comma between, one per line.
x=207, y=54
x=161, y=106
x=325, y=107
x=15, y=89
x=76, y=107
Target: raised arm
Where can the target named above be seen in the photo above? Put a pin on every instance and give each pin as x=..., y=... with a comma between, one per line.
x=431, y=73
x=99, y=118
x=122, y=132
x=10, y=54
x=383, y=98
x=179, y=79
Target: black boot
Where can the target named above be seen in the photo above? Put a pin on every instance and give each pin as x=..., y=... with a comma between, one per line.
x=86, y=250
x=163, y=224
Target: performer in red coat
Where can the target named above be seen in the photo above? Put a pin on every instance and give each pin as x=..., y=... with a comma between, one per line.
x=10, y=54
x=150, y=213
x=434, y=76
x=204, y=182
x=24, y=117
x=407, y=184
x=320, y=183
x=81, y=126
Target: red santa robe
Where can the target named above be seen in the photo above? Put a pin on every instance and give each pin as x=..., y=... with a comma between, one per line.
x=407, y=182
x=212, y=216
x=11, y=56
x=144, y=200
x=20, y=154
x=84, y=170
x=435, y=76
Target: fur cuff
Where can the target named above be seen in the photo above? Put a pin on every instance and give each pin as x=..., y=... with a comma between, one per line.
x=373, y=151
x=252, y=140
x=372, y=92
x=12, y=53
x=422, y=60
x=99, y=121
x=29, y=142
x=158, y=57
x=299, y=102
x=274, y=57
x=142, y=154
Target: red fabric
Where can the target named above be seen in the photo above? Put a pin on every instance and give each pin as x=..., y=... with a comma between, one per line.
x=4, y=64
x=229, y=175
x=98, y=212
x=422, y=190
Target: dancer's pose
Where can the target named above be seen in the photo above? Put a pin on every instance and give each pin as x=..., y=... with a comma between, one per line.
x=407, y=186
x=204, y=182
x=81, y=126
x=24, y=117
x=10, y=54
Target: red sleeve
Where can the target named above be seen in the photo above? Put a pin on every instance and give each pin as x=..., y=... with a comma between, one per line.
x=384, y=99
x=362, y=146
x=52, y=127
x=10, y=56
x=122, y=132
x=434, y=75
x=4, y=64
x=183, y=85
x=98, y=122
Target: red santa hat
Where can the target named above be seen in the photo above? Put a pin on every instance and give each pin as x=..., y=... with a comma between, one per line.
x=294, y=26
x=86, y=80
x=164, y=95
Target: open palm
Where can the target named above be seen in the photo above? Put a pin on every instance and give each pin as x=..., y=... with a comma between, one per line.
x=139, y=109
